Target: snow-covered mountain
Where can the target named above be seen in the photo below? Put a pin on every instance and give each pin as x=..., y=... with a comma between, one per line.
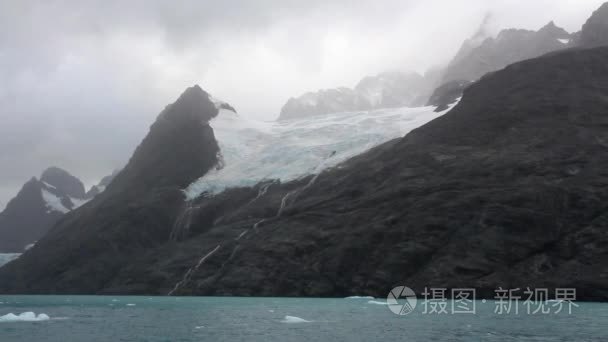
x=385, y=90
x=254, y=151
x=37, y=206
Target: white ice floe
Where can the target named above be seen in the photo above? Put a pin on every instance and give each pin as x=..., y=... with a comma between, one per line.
x=24, y=317
x=255, y=151
x=377, y=302
x=130, y=304
x=360, y=297
x=294, y=319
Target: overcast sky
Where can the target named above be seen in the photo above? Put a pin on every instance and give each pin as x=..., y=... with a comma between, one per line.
x=82, y=80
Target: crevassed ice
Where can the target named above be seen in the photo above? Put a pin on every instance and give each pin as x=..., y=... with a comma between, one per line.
x=254, y=151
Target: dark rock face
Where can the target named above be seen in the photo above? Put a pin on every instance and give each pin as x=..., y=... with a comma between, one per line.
x=64, y=182
x=447, y=94
x=595, y=30
x=101, y=186
x=133, y=215
x=510, y=46
x=507, y=189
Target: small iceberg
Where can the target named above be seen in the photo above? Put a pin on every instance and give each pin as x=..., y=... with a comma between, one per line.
x=130, y=304
x=377, y=302
x=24, y=317
x=360, y=297
x=294, y=319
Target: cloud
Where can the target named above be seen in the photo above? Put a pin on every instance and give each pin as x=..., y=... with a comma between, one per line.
x=83, y=80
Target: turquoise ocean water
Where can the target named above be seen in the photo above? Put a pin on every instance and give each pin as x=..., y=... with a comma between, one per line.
x=106, y=318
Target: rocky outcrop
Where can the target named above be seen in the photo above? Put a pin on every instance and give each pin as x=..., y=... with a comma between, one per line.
x=447, y=94
x=133, y=215
x=507, y=189
x=101, y=186
x=595, y=30
x=64, y=181
x=386, y=90
x=324, y=102
x=510, y=46
x=37, y=206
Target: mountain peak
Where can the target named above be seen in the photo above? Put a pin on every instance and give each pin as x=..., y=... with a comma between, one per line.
x=595, y=30
x=63, y=181
x=179, y=147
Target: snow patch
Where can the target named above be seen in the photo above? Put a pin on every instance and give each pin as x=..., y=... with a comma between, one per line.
x=24, y=317
x=53, y=202
x=5, y=258
x=294, y=320
x=49, y=185
x=255, y=151
x=77, y=202
x=564, y=41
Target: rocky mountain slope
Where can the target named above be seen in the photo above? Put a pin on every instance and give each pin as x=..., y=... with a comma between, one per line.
x=510, y=46
x=37, y=206
x=134, y=213
x=386, y=90
x=507, y=189
x=594, y=32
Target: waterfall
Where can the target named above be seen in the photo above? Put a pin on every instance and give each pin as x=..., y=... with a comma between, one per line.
x=183, y=221
x=188, y=274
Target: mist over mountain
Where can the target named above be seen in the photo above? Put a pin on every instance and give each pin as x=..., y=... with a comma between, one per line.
x=385, y=90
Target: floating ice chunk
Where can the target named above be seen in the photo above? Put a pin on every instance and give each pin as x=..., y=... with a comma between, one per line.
x=130, y=304
x=24, y=317
x=294, y=319
x=377, y=302
x=360, y=297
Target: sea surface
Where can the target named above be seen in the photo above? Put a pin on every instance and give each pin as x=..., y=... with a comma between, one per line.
x=107, y=318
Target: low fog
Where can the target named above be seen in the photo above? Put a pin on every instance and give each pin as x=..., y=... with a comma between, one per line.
x=83, y=80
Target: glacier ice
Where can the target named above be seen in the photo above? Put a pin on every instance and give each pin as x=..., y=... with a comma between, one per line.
x=255, y=151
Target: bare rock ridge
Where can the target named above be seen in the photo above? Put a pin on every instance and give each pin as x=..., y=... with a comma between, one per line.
x=385, y=90
x=136, y=211
x=510, y=46
x=595, y=30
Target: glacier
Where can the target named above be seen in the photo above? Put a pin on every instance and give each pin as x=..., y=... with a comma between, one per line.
x=253, y=151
